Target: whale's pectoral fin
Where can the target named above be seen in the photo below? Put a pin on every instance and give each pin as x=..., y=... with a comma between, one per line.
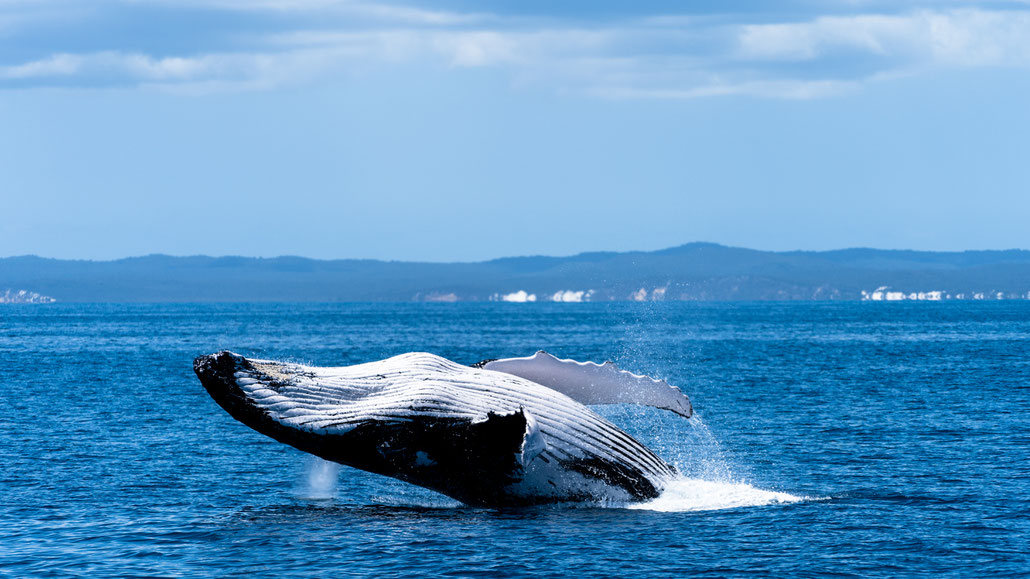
x=591, y=383
x=533, y=442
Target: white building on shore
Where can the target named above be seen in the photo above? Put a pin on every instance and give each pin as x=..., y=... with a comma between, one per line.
x=886, y=294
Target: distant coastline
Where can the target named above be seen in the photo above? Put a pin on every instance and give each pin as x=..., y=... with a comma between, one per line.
x=691, y=272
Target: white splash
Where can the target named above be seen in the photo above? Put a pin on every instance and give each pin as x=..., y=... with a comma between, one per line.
x=687, y=494
x=320, y=479
x=709, y=479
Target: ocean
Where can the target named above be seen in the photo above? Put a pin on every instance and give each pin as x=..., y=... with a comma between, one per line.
x=843, y=439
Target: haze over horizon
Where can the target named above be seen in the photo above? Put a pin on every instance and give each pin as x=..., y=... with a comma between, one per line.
x=439, y=131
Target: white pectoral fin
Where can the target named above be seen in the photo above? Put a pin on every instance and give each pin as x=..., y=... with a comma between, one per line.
x=533, y=442
x=590, y=383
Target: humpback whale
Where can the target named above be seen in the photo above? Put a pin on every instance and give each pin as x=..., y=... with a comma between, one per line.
x=506, y=432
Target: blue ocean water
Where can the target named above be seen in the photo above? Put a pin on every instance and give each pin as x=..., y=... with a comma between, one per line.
x=847, y=439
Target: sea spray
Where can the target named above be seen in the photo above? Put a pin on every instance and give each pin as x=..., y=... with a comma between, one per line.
x=699, y=453
x=688, y=444
x=320, y=479
x=708, y=479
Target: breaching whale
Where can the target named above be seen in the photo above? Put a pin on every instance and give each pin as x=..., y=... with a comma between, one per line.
x=502, y=432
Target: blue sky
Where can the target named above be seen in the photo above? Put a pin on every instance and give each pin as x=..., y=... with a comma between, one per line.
x=457, y=130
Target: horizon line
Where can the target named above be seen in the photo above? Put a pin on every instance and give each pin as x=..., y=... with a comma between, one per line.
x=530, y=256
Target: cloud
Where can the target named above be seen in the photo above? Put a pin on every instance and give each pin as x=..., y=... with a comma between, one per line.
x=961, y=38
x=197, y=74
x=132, y=67
x=660, y=57
x=369, y=10
x=788, y=89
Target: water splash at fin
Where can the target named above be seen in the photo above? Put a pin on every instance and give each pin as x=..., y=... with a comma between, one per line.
x=688, y=494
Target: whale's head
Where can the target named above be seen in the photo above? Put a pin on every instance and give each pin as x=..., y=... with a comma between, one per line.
x=263, y=394
x=280, y=400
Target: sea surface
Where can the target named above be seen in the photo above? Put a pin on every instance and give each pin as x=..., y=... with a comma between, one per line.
x=843, y=439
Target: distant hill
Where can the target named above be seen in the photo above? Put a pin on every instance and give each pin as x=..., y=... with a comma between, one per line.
x=696, y=271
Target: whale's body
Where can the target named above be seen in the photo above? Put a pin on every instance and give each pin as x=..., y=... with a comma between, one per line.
x=505, y=432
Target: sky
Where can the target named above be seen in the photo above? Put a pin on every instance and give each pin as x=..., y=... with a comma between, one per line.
x=461, y=131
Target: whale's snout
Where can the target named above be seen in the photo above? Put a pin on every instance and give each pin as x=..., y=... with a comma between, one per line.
x=209, y=365
x=241, y=387
x=217, y=372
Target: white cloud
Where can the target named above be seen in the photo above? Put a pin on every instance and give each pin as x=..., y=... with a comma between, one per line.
x=57, y=65
x=810, y=40
x=668, y=57
x=477, y=48
x=138, y=67
x=369, y=10
x=784, y=89
x=963, y=37
x=232, y=71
